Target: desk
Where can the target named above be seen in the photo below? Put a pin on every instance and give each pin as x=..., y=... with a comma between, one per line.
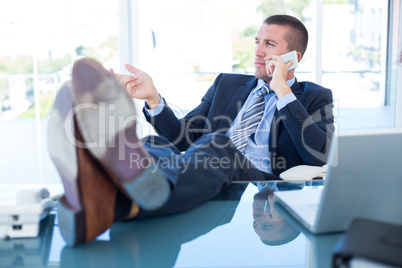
x=223, y=232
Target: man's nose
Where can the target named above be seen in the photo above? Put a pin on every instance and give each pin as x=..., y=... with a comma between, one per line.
x=259, y=51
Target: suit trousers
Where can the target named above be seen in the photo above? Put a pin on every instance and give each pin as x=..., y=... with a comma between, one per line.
x=201, y=172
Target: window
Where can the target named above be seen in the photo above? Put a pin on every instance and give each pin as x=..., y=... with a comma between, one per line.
x=183, y=45
x=358, y=62
x=43, y=39
x=185, y=48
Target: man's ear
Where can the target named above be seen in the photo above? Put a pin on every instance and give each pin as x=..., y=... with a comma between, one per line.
x=299, y=56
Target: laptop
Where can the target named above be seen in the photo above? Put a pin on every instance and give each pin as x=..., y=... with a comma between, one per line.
x=364, y=180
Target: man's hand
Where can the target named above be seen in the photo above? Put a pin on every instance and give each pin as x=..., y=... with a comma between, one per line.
x=280, y=73
x=139, y=85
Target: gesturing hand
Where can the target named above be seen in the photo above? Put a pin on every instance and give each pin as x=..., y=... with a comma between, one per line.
x=139, y=85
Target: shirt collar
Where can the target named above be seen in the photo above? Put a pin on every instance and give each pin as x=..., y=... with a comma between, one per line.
x=261, y=82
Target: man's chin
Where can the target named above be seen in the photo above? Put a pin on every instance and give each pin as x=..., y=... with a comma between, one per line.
x=262, y=75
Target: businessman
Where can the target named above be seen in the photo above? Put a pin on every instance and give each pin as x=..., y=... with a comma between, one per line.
x=245, y=128
x=269, y=224
x=297, y=122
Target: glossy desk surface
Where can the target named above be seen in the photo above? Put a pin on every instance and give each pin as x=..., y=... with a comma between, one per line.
x=230, y=231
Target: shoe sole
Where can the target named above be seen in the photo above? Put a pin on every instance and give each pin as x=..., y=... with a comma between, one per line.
x=102, y=100
x=86, y=210
x=63, y=153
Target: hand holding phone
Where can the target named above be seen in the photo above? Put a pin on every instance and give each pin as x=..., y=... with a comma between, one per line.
x=292, y=55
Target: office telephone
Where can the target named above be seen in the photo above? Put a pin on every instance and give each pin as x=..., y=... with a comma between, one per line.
x=21, y=218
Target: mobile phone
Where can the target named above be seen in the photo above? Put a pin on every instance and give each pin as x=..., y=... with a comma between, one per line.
x=292, y=55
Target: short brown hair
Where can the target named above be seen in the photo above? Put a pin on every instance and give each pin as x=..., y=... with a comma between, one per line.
x=297, y=37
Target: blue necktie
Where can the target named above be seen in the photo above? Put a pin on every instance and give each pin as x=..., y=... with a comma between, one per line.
x=250, y=121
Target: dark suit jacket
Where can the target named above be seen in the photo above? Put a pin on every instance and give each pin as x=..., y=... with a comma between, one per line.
x=300, y=132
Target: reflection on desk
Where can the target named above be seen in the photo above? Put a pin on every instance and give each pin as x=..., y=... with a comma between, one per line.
x=218, y=233
x=154, y=242
x=240, y=228
x=269, y=224
x=28, y=252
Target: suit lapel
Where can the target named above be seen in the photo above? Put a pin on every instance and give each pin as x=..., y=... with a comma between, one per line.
x=236, y=102
x=277, y=124
x=296, y=88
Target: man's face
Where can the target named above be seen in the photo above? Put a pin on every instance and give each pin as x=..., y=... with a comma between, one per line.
x=270, y=40
x=268, y=223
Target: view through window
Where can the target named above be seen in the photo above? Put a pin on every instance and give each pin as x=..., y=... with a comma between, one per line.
x=39, y=44
x=183, y=45
x=184, y=49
